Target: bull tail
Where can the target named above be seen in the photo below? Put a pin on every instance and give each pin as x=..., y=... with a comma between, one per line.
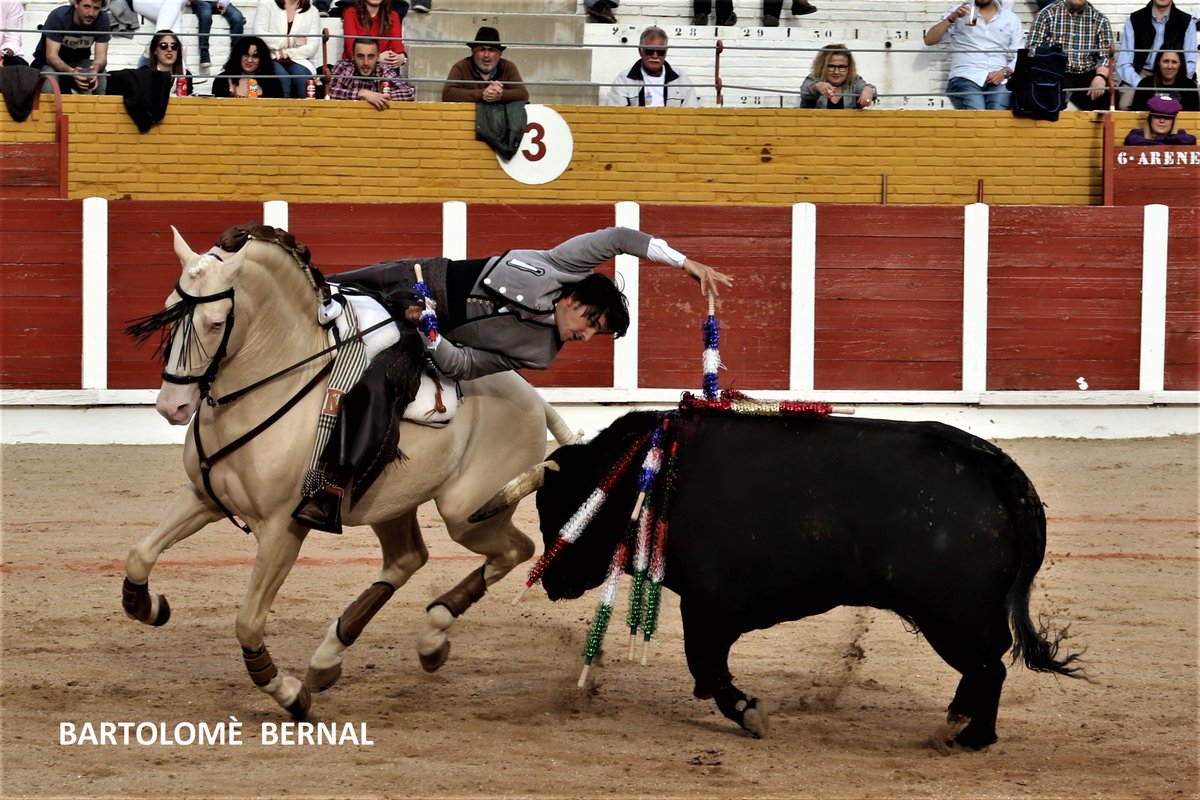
x=1038, y=646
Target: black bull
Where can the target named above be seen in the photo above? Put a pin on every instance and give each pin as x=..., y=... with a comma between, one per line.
x=779, y=518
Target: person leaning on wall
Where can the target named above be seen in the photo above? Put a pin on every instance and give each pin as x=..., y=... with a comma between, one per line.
x=834, y=82
x=1160, y=123
x=484, y=76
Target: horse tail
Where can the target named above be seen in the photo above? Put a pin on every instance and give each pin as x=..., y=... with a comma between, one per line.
x=558, y=426
x=1038, y=646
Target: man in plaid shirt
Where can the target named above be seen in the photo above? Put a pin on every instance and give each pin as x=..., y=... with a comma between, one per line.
x=365, y=77
x=1086, y=37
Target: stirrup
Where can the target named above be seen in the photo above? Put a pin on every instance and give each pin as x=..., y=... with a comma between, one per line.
x=322, y=511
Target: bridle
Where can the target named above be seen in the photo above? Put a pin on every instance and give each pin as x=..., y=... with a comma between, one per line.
x=190, y=301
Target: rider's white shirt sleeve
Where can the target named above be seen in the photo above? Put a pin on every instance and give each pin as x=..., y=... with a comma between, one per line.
x=663, y=253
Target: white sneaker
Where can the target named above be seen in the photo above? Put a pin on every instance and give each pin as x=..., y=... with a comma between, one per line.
x=205, y=68
x=422, y=6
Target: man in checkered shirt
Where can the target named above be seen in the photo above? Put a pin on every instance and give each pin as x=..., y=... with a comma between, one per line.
x=367, y=78
x=1086, y=37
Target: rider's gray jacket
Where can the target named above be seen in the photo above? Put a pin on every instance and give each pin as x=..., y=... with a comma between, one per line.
x=510, y=309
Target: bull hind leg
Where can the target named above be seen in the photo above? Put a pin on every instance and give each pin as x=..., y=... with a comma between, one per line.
x=503, y=546
x=404, y=553
x=189, y=512
x=977, y=652
x=706, y=645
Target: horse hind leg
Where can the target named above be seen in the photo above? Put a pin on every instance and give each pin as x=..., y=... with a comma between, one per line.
x=189, y=512
x=404, y=553
x=504, y=547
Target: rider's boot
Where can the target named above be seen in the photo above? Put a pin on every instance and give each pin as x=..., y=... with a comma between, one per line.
x=321, y=510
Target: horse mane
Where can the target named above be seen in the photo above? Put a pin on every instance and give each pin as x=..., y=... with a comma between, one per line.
x=231, y=240
x=235, y=238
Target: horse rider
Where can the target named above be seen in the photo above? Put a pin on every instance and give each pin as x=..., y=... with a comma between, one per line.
x=507, y=312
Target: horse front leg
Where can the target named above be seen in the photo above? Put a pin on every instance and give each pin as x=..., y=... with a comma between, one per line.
x=279, y=542
x=404, y=553
x=504, y=546
x=189, y=512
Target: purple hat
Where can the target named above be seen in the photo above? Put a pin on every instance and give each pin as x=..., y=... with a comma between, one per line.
x=1163, y=106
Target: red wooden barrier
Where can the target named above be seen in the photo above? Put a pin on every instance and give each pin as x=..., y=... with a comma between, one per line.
x=142, y=269
x=889, y=297
x=41, y=285
x=1183, y=301
x=1064, y=298
x=345, y=236
x=751, y=245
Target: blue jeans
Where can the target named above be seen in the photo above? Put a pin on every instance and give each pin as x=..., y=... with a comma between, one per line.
x=979, y=98
x=204, y=14
x=293, y=86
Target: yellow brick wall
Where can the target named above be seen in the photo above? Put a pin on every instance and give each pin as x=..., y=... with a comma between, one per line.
x=426, y=152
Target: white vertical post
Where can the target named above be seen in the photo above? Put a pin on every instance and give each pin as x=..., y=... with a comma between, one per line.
x=454, y=230
x=976, y=229
x=804, y=298
x=275, y=213
x=94, y=373
x=1154, y=298
x=625, y=349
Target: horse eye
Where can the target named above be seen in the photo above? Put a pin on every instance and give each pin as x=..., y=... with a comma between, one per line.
x=216, y=326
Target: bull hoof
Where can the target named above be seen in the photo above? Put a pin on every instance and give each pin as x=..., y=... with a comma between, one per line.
x=754, y=718
x=164, y=612
x=974, y=739
x=431, y=662
x=300, y=706
x=318, y=680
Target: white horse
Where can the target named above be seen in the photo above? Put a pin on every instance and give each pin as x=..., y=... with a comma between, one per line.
x=240, y=315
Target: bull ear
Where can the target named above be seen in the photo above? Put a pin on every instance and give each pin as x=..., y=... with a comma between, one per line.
x=185, y=254
x=521, y=486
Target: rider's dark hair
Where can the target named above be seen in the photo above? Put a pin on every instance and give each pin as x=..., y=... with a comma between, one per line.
x=603, y=300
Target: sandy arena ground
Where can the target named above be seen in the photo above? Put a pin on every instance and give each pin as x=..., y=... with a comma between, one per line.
x=856, y=701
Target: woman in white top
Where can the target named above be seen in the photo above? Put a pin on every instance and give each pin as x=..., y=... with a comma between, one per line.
x=292, y=30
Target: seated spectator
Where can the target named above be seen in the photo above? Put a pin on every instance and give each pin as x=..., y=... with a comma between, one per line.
x=204, y=15
x=1169, y=79
x=68, y=36
x=1161, y=122
x=1085, y=35
x=367, y=78
x=375, y=19
x=1149, y=30
x=484, y=77
x=725, y=16
x=166, y=55
x=773, y=10
x=984, y=41
x=651, y=81
x=167, y=15
x=12, y=22
x=834, y=81
x=292, y=29
x=248, y=72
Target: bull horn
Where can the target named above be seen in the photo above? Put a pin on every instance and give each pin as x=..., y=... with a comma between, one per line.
x=521, y=486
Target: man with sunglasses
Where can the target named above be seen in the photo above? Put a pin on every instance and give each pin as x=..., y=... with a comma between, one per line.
x=651, y=81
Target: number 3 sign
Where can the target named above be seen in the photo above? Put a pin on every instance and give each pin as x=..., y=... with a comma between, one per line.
x=546, y=148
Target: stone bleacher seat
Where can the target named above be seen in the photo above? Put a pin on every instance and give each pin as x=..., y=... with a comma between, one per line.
x=760, y=67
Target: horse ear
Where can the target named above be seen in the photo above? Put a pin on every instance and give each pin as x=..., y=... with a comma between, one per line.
x=185, y=254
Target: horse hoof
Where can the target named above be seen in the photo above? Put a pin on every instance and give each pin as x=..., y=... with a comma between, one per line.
x=431, y=662
x=164, y=612
x=300, y=706
x=318, y=680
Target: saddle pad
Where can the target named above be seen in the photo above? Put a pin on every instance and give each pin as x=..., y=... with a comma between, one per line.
x=370, y=312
